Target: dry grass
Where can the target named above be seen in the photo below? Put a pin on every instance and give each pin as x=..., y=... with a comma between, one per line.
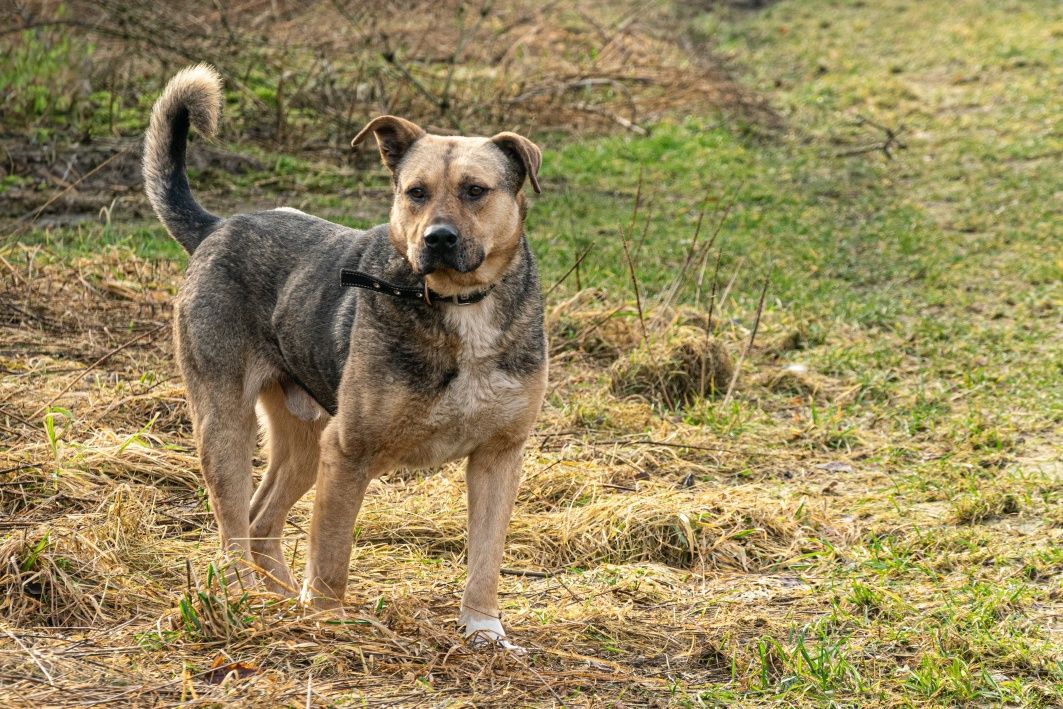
x=108, y=551
x=667, y=547
x=456, y=66
x=645, y=554
x=828, y=533
x=686, y=365
x=872, y=519
x=679, y=360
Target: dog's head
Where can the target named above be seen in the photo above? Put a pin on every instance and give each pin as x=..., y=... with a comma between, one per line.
x=458, y=212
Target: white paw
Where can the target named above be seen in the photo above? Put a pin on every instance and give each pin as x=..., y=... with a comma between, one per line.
x=306, y=597
x=484, y=632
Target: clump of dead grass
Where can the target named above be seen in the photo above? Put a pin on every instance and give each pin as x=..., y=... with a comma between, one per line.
x=685, y=365
x=672, y=527
x=794, y=379
x=53, y=576
x=983, y=505
x=586, y=323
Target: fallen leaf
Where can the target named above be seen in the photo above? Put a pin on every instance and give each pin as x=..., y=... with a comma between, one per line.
x=221, y=668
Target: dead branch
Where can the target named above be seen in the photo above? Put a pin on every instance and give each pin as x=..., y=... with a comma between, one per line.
x=890, y=142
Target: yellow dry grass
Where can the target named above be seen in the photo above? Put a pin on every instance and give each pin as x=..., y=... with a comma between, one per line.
x=621, y=537
x=652, y=548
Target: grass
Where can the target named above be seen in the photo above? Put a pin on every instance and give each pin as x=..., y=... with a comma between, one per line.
x=872, y=519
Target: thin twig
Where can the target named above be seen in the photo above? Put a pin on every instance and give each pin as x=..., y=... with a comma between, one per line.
x=712, y=305
x=579, y=259
x=546, y=684
x=528, y=572
x=646, y=221
x=730, y=283
x=630, y=261
x=93, y=366
x=32, y=654
x=572, y=593
x=615, y=118
x=677, y=283
x=15, y=469
x=665, y=444
x=635, y=288
x=886, y=147
x=32, y=216
x=749, y=345
x=638, y=203
x=715, y=285
x=14, y=273
x=701, y=279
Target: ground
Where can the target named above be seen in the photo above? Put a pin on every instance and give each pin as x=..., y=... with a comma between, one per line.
x=871, y=517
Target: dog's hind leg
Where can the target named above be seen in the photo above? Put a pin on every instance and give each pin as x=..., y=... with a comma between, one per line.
x=223, y=420
x=294, y=449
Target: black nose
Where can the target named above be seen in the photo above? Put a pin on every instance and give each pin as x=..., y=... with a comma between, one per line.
x=441, y=238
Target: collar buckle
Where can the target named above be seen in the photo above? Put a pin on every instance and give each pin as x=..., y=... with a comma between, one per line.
x=469, y=298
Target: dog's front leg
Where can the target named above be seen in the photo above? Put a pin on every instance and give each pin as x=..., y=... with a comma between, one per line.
x=492, y=477
x=342, y=478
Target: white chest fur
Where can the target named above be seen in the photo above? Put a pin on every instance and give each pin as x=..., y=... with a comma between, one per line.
x=482, y=398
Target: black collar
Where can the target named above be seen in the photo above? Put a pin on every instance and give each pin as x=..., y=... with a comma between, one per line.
x=423, y=293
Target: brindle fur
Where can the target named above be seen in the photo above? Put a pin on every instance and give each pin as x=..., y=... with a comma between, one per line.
x=353, y=384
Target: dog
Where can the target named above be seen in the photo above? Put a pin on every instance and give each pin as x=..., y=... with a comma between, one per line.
x=407, y=345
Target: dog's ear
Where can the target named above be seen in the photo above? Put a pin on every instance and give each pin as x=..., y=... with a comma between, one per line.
x=394, y=136
x=525, y=152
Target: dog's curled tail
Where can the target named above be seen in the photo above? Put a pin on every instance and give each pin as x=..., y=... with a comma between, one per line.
x=193, y=97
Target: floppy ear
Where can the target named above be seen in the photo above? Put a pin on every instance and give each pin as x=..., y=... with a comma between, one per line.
x=394, y=136
x=525, y=152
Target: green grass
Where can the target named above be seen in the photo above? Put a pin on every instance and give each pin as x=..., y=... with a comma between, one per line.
x=931, y=285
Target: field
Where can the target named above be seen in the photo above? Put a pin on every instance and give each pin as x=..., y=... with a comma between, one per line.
x=803, y=438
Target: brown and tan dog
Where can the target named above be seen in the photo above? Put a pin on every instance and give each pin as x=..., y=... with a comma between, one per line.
x=438, y=354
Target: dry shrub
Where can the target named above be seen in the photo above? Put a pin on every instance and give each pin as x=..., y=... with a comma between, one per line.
x=672, y=527
x=586, y=323
x=572, y=515
x=305, y=77
x=796, y=380
x=452, y=64
x=685, y=365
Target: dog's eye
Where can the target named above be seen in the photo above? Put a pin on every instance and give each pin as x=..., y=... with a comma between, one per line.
x=475, y=191
x=417, y=194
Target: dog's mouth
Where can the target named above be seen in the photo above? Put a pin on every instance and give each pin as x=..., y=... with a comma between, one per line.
x=461, y=261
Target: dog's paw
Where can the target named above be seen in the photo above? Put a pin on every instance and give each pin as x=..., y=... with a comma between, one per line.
x=479, y=641
x=314, y=601
x=483, y=633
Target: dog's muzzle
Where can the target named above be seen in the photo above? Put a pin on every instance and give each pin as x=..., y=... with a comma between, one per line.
x=443, y=247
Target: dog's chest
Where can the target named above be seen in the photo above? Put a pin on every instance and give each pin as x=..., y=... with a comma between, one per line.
x=481, y=399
